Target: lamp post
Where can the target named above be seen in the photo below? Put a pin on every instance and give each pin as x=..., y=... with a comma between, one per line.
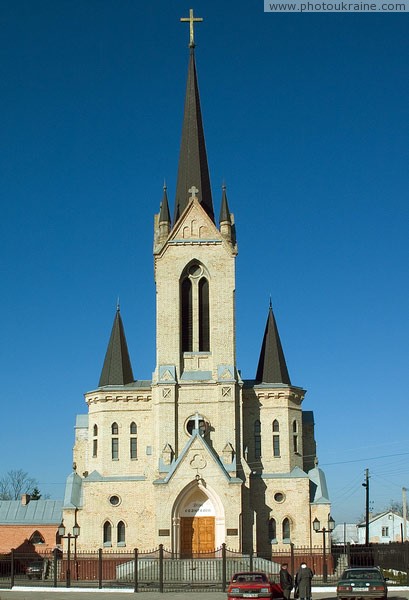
x=75, y=533
x=317, y=528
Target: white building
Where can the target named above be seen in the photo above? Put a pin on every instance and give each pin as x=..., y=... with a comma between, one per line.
x=383, y=528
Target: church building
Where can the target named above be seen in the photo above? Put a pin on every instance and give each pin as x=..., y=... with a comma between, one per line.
x=197, y=456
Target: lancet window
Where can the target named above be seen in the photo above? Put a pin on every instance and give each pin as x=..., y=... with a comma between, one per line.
x=295, y=436
x=107, y=534
x=272, y=530
x=95, y=441
x=114, y=441
x=133, y=441
x=195, y=310
x=276, y=438
x=120, y=530
x=257, y=439
x=286, y=530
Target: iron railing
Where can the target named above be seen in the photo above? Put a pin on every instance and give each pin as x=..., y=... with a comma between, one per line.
x=164, y=571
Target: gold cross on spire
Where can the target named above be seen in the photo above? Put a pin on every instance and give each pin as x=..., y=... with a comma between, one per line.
x=191, y=19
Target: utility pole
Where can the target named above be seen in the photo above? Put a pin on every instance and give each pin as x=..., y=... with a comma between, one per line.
x=366, y=485
x=404, y=505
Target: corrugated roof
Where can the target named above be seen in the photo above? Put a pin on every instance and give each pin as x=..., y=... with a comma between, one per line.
x=36, y=512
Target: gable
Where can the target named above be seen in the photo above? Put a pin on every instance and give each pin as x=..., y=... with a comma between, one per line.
x=196, y=457
x=194, y=225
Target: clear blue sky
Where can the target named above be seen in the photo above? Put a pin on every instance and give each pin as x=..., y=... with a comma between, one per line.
x=306, y=119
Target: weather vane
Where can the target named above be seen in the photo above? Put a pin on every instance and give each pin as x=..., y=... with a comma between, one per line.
x=191, y=19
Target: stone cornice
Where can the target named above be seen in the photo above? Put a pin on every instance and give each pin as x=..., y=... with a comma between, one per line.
x=99, y=397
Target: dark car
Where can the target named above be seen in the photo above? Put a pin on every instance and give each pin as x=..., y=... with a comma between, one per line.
x=252, y=584
x=362, y=582
x=35, y=569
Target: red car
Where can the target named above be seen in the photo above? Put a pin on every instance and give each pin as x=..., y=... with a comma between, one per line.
x=254, y=584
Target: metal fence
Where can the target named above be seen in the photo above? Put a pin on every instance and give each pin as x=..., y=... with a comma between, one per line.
x=163, y=571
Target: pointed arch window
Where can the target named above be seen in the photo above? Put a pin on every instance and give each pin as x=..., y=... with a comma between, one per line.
x=286, y=531
x=37, y=538
x=276, y=438
x=295, y=437
x=257, y=439
x=114, y=441
x=95, y=441
x=272, y=531
x=107, y=534
x=195, y=309
x=120, y=533
x=187, y=316
x=204, y=330
x=133, y=441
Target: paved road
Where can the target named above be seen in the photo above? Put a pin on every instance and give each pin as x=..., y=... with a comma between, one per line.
x=109, y=594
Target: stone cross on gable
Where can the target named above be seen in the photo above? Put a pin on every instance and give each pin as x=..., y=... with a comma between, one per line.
x=193, y=190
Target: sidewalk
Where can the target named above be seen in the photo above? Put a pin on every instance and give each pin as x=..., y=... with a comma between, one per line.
x=40, y=593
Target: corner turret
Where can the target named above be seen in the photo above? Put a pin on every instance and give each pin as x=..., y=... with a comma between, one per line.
x=117, y=369
x=272, y=367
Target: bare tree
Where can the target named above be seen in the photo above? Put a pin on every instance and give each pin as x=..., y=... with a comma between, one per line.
x=397, y=507
x=4, y=488
x=15, y=483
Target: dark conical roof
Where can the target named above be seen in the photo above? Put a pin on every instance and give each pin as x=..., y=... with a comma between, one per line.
x=193, y=168
x=164, y=215
x=224, y=208
x=117, y=369
x=272, y=367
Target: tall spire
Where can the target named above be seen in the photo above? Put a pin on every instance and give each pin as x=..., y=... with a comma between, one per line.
x=272, y=367
x=117, y=369
x=193, y=168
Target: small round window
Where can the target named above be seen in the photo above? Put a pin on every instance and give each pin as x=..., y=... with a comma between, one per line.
x=114, y=500
x=279, y=497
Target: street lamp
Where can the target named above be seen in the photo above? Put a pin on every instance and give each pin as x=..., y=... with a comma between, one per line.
x=317, y=528
x=75, y=533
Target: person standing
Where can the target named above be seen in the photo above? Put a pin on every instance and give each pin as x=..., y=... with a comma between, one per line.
x=286, y=581
x=303, y=581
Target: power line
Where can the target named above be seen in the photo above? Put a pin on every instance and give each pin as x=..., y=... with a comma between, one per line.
x=343, y=462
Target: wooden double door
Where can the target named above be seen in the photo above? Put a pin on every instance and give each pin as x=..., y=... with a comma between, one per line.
x=197, y=535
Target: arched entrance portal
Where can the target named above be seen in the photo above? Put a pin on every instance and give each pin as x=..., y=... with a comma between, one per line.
x=198, y=522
